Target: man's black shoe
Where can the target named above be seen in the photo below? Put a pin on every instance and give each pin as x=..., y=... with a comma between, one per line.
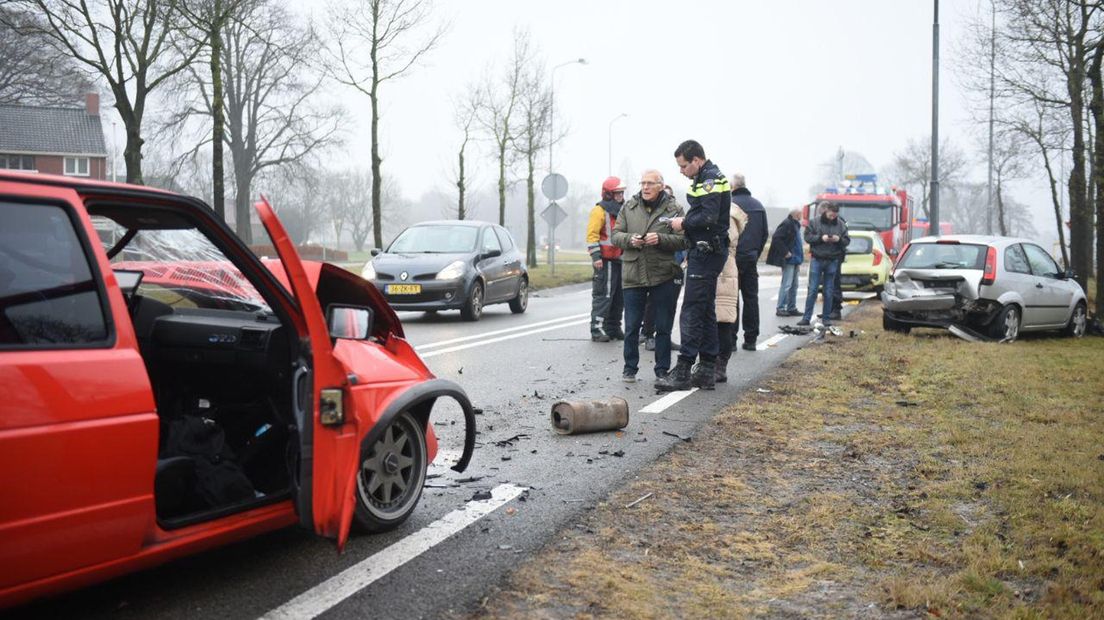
x=794, y=313
x=676, y=380
x=748, y=346
x=781, y=313
x=599, y=337
x=615, y=333
x=803, y=323
x=703, y=376
x=835, y=316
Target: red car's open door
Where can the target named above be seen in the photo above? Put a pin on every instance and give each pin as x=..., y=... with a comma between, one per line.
x=329, y=447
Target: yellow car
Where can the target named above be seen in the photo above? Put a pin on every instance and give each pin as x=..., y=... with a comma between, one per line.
x=867, y=264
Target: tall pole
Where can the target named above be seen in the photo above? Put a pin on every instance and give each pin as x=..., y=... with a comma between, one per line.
x=992, y=96
x=933, y=216
x=609, y=147
x=551, y=140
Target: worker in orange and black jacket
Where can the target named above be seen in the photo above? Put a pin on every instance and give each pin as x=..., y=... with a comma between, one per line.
x=607, y=303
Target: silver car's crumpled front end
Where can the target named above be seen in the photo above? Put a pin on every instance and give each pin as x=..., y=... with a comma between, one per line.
x=937, y=296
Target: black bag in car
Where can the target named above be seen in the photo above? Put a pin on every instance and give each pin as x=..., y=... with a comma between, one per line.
x=219, y=480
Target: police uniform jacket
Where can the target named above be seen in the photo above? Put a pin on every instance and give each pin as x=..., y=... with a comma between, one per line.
x=648, y=265
x=707, y=218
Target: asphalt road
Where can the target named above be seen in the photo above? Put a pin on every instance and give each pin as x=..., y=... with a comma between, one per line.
x=514, y=367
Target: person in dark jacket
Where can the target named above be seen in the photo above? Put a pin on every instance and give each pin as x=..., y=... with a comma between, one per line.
x=828, y=240
x=787, y=252
x=748, y=250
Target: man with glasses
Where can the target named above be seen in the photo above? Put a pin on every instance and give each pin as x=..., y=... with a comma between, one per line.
x=649, y=269
x=706, y=226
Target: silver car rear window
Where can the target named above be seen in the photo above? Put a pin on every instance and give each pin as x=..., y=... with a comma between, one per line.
x=944, y=256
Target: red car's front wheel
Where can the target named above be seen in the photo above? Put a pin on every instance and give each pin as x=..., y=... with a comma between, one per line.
x=391, y=475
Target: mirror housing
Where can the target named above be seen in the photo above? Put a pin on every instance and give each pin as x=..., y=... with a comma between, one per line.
x=491, y=253
x=376, y=251
x=893, y=253
x=349, y=322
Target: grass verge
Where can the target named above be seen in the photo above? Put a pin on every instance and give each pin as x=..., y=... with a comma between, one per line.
x=541, y=276
x=881, y=475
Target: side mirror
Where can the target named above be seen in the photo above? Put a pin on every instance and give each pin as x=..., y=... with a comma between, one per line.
x=893, y=252
x=1067, y=275
x=376, y=251
x=492, y=253
x=349, y=322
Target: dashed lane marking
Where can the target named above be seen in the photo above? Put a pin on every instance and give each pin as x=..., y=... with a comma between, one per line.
x=525, y=326
x=668, y=400
x=348, y=582
x=775, y=339
x=523, y=334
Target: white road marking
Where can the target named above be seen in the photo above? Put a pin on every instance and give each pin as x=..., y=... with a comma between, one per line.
x=470, y=345
x=442, y=343
x=348, y=582
x=775, y=339
x=668, y=400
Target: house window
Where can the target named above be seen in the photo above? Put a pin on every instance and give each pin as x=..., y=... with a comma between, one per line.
x=76, y=166
x=17, y=162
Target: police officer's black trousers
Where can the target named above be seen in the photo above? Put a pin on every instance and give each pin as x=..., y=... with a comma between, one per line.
x=698, y=319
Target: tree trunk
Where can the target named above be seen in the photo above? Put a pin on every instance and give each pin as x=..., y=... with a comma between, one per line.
x=531, y=243
x=1096, y=106
x=377, y=179
x=1000, y=208
x=1081, y=216
x=132, y=153
x=244, y=179
x=1057, y=204
x=460, y=214
x=502, y=183
x=218, y=119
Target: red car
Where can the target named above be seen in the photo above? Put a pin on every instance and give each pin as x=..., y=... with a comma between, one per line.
x=164, y=391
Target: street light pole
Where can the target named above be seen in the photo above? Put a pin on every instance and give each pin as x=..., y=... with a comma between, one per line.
x=551, y=140
x=609, y=150
x=933, y=214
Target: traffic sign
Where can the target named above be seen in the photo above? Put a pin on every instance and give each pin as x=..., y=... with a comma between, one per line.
x=554, y=214
x=554, y=186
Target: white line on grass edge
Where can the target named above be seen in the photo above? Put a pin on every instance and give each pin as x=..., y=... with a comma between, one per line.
x=348, y=582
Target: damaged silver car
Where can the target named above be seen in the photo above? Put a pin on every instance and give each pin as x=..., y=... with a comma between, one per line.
x=994, y=286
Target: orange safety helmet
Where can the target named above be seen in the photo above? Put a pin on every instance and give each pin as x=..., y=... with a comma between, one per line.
x=611, y=185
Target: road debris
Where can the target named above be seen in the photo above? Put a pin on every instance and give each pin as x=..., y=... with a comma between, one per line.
x=638, y=500
x=907, y=403
x=968, y=334
x=470, y=479
x=571, y=417
x=676, y=435
x=481, y=495
x=509, y=443
x=763, y=390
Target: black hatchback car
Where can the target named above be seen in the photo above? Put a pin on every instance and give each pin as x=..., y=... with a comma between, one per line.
x=451, y=265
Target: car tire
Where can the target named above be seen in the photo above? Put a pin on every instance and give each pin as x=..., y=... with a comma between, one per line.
x=521, y=302
x=1006, y=325
x=1078, y=321
x=890, y=324
x=394, y=463
x=473, y=307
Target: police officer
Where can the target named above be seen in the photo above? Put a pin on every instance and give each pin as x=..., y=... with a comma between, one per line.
x=706, y=228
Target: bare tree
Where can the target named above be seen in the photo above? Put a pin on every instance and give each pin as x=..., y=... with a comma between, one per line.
x=294, y=190
x=913, y=167
x=386, y=31
x=32, y=71
x=127, y=42
x=501, y=96
x=531, y=138
x=209, y=18
x=466, y=110
x=1096, y=107
x=1047, y=56
x=273, y=113
x=1009, y=163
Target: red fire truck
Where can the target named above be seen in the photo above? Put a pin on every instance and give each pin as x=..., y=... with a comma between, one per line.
x=866, y=207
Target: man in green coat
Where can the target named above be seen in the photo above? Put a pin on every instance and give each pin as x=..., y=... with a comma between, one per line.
x=648, y=269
